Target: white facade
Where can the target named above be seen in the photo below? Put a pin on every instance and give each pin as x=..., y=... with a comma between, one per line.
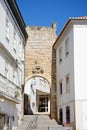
x=12, y=41
x=71, y=67
x=80, y=67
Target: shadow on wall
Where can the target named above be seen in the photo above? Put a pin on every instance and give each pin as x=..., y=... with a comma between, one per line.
x=27, y=108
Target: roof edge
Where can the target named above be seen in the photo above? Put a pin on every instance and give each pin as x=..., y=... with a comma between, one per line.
x=18, y=16
x=69, y=20
x=62, y=32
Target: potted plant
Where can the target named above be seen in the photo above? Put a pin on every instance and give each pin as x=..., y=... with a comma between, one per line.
x=17, y=94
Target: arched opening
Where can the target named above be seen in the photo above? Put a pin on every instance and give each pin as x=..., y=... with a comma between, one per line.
x=37, y=96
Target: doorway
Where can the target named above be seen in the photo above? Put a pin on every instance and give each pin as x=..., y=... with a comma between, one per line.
x=25, y=104
x=43, y=103
x=27, y=108
x=2, y=121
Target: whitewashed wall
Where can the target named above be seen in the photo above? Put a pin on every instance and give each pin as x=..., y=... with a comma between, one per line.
x=9, y=46
x=80, y=54
x=64, y=68
x=7, y=54
x=80, y=65
x=12, y=23
x=76, y=65
x=8, y=108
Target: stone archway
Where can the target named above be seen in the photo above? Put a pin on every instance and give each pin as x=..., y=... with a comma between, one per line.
x=37, y=96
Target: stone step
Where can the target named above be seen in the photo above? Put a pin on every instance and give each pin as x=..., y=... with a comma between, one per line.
x=38, y=122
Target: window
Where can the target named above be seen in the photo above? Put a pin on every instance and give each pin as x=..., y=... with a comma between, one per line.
x=43, y=103
x=14, y=77
x=61, y=116
x=7, y=27
x=60, y=85
x=68, y=83
x=67, y=46
x=6, y=69
x=14, y=40
x=23, y=53
x=67, y=114
x=20, y=50
x=60, y=54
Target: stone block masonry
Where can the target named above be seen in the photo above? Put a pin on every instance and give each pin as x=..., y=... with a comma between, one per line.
x=40, y=57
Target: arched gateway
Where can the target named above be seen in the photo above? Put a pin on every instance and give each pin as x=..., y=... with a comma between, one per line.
x=37, y=96
x=40, y=71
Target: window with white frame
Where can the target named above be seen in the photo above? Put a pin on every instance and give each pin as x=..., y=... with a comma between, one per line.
x=14, y=75
x=60, y=87
x=68, y=83
x=7, y=27
x=67, y=46
x=60, y=54
x=67, y=114
x=14, y=40
x=6, y=69
x=23, y=53
x=20, y=49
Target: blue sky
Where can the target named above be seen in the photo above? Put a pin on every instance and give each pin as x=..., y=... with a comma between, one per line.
x=44, y=12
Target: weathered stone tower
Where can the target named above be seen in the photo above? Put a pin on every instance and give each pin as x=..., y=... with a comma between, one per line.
x=40, y=58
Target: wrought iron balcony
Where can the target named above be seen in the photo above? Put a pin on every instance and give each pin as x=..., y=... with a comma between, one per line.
x=9, y=90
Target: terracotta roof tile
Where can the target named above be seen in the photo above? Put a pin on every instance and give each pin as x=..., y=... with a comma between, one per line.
x=83, y=17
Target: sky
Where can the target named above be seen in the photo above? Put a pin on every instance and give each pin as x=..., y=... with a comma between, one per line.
x=45, y=12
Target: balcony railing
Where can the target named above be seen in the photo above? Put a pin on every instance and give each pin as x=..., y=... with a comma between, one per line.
x=9, y=89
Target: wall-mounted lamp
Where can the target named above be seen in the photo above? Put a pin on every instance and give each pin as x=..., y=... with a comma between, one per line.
x=2, y=99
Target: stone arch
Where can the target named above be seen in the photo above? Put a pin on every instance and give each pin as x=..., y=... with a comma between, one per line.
x=37, y=90
x=28, y=78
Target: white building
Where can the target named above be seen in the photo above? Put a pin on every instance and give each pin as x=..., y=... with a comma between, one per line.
x=71, y=65
x=12, y=43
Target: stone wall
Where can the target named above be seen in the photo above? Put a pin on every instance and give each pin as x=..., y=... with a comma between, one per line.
x=40, y=58
x=53, y=88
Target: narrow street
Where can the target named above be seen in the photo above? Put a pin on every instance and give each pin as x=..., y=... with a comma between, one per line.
x=39, y=122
